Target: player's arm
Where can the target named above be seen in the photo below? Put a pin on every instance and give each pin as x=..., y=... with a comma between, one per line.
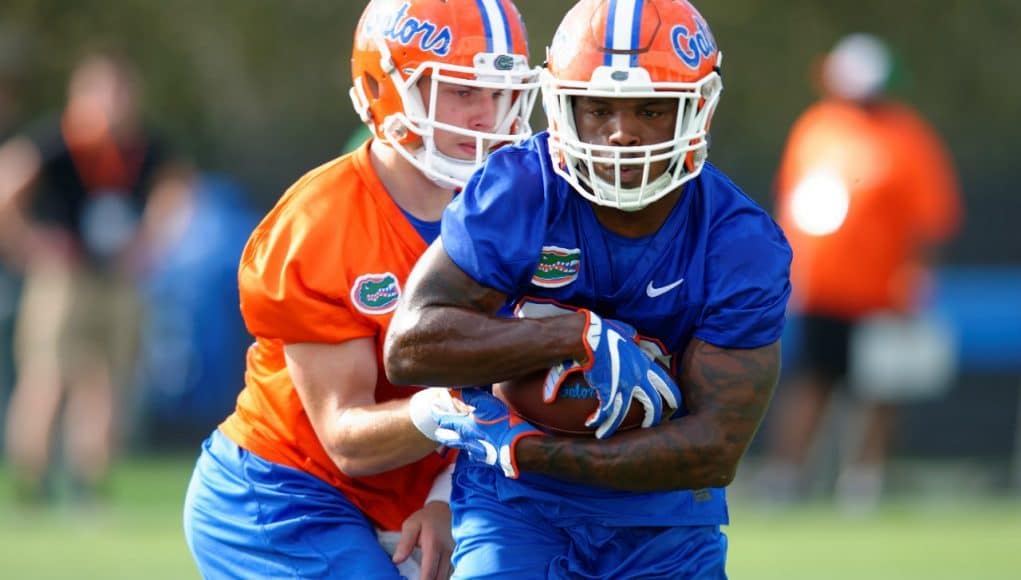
x=336, y=384
x=726, y=392
x=445, y=316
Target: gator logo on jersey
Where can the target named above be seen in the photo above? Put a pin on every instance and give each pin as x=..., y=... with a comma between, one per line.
x=376, y=293
x=557, y=267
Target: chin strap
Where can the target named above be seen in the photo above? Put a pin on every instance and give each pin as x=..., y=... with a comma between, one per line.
x=607, y=191
x=445, y=171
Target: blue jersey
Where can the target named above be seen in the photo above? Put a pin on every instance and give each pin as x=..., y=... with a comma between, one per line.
x=717, y=269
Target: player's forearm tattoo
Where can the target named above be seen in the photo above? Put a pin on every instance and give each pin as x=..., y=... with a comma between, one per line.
x=726, y=393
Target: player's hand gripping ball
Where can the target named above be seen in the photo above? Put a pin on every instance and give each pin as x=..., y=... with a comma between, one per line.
x=486, y=430
x=596, y=398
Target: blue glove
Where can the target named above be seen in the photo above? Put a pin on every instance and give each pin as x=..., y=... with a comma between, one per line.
x=620, y=372
x=488, y=434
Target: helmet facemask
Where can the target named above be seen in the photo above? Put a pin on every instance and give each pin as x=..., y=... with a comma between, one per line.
x=684, y=154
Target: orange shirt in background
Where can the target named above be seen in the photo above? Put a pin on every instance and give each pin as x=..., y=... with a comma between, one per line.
x=862, y=192
x=326, y=265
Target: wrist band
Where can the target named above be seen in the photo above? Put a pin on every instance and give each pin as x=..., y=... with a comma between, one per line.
x=420, y=408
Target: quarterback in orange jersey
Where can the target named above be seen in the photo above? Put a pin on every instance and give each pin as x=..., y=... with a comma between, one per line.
x=865, y=190
x=326, y=469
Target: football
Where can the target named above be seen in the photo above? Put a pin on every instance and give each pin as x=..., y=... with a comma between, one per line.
x=566, y=415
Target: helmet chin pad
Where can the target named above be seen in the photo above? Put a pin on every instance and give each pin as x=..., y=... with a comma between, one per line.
x=444, y=170
x=632, y=198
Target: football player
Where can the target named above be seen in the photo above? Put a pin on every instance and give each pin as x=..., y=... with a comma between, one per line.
x=615, y=214
x=866, y=191
x=322, y=471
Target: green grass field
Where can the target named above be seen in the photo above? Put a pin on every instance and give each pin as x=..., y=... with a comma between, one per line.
x=139, y=536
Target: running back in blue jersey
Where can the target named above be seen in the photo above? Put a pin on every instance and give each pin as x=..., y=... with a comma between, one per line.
x=717, y=270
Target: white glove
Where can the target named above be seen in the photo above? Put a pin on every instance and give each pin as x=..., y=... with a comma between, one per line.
x=421, y=408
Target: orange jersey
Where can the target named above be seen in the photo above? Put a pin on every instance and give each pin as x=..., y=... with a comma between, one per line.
x=326, y=265
x=861, y=193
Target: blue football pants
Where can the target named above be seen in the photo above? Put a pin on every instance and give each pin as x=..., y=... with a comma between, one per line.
x=517, y=540
x=245, y=517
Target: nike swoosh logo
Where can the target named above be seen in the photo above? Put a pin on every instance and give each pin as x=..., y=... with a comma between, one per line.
x=653, y=292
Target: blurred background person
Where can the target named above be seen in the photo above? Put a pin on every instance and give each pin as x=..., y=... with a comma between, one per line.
x=865, y=190
x=13, y=69
x=191, y=358
x=72, y=192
